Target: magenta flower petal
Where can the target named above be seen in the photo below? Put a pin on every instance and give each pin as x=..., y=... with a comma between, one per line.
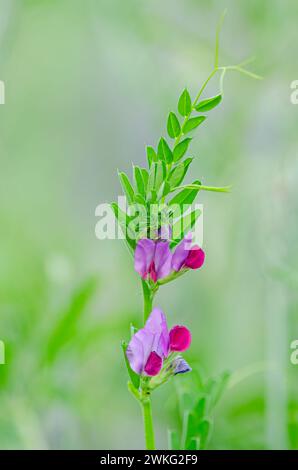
x=162, y=259
x=153, y=364
x=180, y=338
x=195, y=258
x=144, y=254
x=139, y=349
x=157, y=325
x=154, y=337
x=181, y=253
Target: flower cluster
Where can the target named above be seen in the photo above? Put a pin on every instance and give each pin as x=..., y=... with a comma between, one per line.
x=154, y=350
x=154, y=259
x=154, y=347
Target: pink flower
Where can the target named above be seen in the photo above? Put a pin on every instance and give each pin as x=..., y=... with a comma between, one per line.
x=149, y=347
x=153, y=259
x=187, y=256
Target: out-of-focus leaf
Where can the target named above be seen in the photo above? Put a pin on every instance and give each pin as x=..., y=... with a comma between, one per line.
x=203, y=431
x=200, y=408
x=216, y=387
x=194, y=444
x=208, y=104
x=173, y=440
x=66, y=327
x=193, y=123
x=164, y=152
x=181, y=149
x=173, y=125
x=184, y=103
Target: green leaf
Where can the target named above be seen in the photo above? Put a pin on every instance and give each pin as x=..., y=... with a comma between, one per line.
x=135, y=378
x=153, y=196
x=180, y=149
x=67, y=327
x=123, y=220
x=208, y=104
x=126, y=186
x=173, y=126
x=216, y=387
x=145, y=175
x=193, y=123
x=151, y=155
x=183, y=225
x=178, y=173
x=184, y=103
x=156, y=176
x=176, y=176
x=185, y=196
x=173, y=440
x=200, y=408
x=138, y=177
x=186, y=164
x=139, y=199
x=204, y=430
x=164, y=152
x=163, y=190
x=195, y=443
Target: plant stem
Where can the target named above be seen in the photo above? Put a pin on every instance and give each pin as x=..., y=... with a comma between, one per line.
x=148, y=299
x=148, y=423
x=224, y=189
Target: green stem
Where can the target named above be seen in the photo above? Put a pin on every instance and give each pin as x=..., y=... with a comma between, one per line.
x=148, y=299
x=148, y=423
x=201, y=187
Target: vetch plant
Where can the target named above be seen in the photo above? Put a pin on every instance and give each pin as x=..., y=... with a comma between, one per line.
x=161, y=255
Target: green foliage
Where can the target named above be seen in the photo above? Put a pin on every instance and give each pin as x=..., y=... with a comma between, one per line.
x=184, y=103
x=66, y=327
x=123, y=220
x=208, y=104
x=181, y=148
x=126, y=186
x=197, y=399
x=139, y=181
x=151, y=155
x=193, y=123
x=164, y=152
x=173, y=126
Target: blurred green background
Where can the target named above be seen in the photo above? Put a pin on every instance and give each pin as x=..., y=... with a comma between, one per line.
x=88, y=85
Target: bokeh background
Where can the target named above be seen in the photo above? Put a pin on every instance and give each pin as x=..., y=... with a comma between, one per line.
x=88, y=85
